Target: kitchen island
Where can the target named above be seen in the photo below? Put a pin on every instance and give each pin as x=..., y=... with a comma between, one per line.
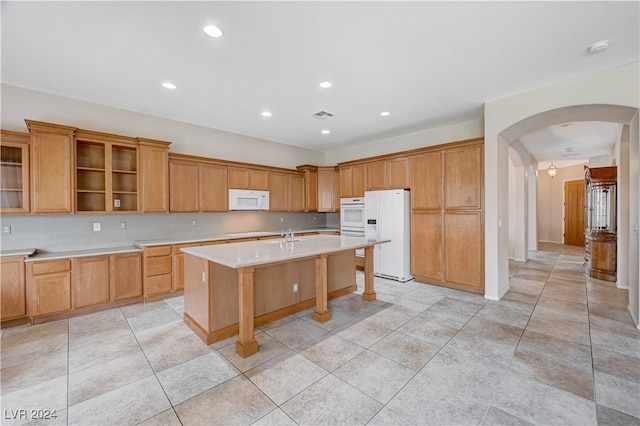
x=233, y=287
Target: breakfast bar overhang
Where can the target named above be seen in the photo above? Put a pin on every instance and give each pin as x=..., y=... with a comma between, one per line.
x=226, y=284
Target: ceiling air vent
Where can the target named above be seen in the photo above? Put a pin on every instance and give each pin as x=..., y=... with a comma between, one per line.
x=322, y=115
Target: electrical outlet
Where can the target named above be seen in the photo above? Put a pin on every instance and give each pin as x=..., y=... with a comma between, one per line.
x=295, y=287
x=204, y=276
x=116, y=203
x=282, y=219
x=194, y=223
x=6, y=229
x=96, y=227
x=123, y=225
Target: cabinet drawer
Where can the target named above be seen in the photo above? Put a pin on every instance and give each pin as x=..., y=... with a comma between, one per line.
x=158, y=284
x=157, y=251
x=157, y=266
x=40, y=268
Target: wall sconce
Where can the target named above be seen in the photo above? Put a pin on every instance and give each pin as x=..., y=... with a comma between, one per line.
x=552, y=170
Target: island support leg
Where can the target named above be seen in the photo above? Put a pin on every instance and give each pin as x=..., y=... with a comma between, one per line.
x=322, y=313
x=246, y=344
x=369, y=295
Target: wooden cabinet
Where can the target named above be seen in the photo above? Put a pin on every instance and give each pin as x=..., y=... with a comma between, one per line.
x=158, y=270
x=14, y=172
x=296, y=202
x=125, y=276
x=328, y=197
x=447, y=222
x=248, y=178
x=286, y=192
x=214, y=190
x=388, y=174
x=51, y=167
x=197, y=186
x=184, y=186
x=13, y=291
x=463, y=178
x=310, y=177
x=50, y=283
x=106, y=173
x=178, y=265
x=90, y=281
x=66, y=287
x=352, y=180
x=154, y=169
x=320, y=190
x=601, y=229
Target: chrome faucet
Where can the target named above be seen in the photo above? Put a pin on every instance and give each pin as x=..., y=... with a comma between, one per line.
x=288, y=235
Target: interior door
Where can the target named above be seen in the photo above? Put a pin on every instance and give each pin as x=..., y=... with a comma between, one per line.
x=574, y=212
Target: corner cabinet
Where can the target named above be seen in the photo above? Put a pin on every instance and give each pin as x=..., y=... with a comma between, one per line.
x=14, y=172
x=600, y=221
x=51, y=167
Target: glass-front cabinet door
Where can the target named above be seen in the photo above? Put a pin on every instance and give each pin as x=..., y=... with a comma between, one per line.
x=14, y=172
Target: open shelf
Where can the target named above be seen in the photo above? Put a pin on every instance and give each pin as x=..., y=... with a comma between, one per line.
x=12, y=174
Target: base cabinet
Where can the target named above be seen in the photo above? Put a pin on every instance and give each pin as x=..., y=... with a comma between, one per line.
x=91, y=281
x=67, y=287
x=50, y=283
x=13, y=297
x=125, y=276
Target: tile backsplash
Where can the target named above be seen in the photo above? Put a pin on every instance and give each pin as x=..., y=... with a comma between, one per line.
x=53, y=233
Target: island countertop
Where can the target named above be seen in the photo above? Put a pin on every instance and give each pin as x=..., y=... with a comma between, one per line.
x=253, y=253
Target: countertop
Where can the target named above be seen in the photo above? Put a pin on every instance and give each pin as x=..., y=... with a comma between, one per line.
x=252, y=253
x=15, y=253
x=32, y=254
x=222, y=237
x=82, y=253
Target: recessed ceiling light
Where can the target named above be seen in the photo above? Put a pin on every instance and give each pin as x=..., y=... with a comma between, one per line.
x=168, y=85
x=266, y=114
x=326, y=84
x=326, y=132
x=385, y=113
x=599, y=46
x=213, y=31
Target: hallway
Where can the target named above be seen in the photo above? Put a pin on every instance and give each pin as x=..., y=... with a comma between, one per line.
x=557, y=350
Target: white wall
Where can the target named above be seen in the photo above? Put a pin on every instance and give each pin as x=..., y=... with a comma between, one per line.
x=551, y=201
x=634, y=219
x=19, y=103
x=452, y=133
x=615, y=87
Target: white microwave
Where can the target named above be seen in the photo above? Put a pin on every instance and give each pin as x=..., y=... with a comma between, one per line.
x=245, y=199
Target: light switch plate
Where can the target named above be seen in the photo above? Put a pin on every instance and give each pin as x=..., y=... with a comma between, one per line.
x=6, y=229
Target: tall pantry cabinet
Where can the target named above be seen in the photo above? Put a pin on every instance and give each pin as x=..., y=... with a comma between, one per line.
x=447, y=221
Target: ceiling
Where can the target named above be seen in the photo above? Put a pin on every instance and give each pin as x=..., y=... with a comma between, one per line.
x=428, y=63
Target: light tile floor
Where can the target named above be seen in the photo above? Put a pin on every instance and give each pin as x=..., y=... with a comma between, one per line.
x=559, y=349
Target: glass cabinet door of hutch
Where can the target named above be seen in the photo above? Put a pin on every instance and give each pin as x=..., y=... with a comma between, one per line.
x=603, y=208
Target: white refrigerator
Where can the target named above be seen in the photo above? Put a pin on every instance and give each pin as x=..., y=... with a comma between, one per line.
x=388, y=217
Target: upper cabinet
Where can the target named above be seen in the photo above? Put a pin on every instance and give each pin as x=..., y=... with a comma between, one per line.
x=154, y=162
x=51, y=167
x=197, y=185
x=14, y=172
x=463, y=178
x=247, y=178
x=388, y=174
x=310, y=187
x=352, y=180
x=328, y=197
x=286, y=192
x=106, y=173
